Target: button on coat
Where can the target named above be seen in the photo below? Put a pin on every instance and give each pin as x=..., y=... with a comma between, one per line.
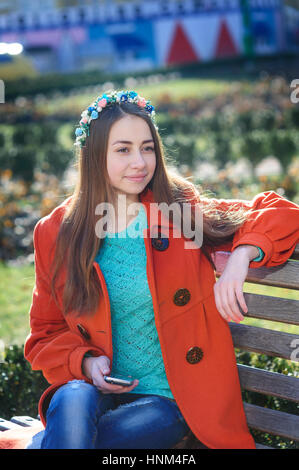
x=194, y=355
x=181, y=297
x=161, y=243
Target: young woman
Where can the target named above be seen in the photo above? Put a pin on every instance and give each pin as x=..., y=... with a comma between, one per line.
x=125, y=294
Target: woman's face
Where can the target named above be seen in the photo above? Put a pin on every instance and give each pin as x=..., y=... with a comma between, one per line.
x=130, y=154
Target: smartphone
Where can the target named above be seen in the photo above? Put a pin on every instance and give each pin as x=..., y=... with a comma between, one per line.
x=119, y=379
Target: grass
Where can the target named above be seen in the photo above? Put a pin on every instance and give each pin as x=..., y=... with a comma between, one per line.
x=16, y=296
x=185, y=88
x=175, y=89
x=15, y=301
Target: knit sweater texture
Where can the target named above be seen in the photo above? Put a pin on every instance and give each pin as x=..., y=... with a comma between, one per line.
x=136, y=346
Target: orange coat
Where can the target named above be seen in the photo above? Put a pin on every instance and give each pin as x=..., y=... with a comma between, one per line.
x=196, y=343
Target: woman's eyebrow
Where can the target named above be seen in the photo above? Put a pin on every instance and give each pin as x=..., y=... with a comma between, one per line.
x=129, y=142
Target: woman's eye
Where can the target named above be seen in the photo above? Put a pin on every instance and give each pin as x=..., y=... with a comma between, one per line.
x=146, y=149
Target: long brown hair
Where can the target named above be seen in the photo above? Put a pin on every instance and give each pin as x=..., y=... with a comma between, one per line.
x=77, y=243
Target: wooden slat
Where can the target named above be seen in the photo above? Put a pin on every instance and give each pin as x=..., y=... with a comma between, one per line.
x=26, y=421
x=269, y=383
x=261, y=446
x=272, y=308
x=272, y=421
x=286, y=275
x=5, y=425
x=262, y=340
x=295, y=254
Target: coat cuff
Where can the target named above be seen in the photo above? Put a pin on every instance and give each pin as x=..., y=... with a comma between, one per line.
x=259, y=240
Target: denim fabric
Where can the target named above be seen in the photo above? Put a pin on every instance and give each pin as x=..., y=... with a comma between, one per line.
x=81, y=417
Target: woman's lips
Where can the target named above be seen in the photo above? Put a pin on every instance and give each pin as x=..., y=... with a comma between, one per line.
x=136, y=178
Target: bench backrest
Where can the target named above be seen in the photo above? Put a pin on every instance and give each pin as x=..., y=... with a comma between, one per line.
x=270, y=342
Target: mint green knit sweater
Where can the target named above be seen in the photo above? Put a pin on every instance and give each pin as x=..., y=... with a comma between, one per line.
x=136, y=346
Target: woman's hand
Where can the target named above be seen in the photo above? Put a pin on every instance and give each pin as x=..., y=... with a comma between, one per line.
x=229, y=287
x=96, y=367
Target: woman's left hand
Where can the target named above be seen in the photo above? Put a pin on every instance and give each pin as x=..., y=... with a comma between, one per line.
x=229, y=287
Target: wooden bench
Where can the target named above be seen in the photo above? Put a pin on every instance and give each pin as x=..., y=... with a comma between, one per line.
x=270, y=342
x=259, y=340
x=16, y=421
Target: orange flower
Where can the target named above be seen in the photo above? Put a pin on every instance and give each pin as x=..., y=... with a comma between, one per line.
x=6, y=174
x=8, y=223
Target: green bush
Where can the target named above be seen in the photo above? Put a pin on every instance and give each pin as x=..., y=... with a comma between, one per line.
x=25, y=134
x=245, y=121
x=255, y=145
x=22, y=161
x=273, y=364
x=2, y=139
x=54, y=159
x=283, y=145
x=20, y=387
x=222, y=144
x=181, y=148
x=265, y=119
x=291, y=117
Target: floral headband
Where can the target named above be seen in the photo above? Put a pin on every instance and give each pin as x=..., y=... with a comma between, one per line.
x=101, y=102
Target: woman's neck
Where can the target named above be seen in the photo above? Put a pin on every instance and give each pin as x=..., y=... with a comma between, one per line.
x=125, y=211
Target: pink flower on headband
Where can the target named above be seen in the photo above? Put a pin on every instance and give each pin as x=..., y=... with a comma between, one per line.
x=102, y=103
x=141, y=102
x=84, y=120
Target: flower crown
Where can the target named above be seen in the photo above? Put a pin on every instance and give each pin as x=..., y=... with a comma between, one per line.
x=107, y=99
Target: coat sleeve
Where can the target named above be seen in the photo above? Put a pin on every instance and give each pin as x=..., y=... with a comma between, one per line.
x=273, y=226
x=51, y=346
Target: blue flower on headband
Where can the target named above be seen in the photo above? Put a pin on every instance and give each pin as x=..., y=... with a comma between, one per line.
x=78, y=131
x=149, y=108
x=94, y=114
x=133, y=94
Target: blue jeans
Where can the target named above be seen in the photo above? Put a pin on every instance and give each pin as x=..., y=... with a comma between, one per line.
x=81, y=417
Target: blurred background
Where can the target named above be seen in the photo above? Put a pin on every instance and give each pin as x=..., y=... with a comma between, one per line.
x=223, y=76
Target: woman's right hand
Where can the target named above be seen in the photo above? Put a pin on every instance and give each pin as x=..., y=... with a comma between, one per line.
x=96, y=367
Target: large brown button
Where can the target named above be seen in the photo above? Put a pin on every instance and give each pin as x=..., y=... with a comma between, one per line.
x=83, y=331
x=194, y=355
x=181, y=297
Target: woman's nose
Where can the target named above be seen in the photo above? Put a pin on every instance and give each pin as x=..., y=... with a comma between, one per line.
x=138, y=160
